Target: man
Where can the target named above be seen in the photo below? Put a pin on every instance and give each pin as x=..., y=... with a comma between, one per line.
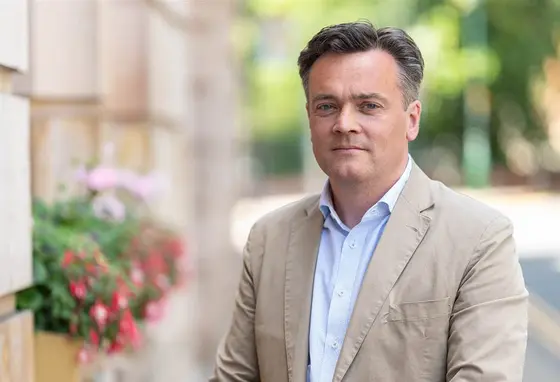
x=387, y=275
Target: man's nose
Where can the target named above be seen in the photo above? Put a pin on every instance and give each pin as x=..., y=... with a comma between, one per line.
x=346, y=121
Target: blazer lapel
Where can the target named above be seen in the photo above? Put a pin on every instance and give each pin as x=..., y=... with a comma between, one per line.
x=301, y=259
x=404, y=232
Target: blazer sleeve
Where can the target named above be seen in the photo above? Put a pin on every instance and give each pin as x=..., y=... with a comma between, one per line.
x=236, y=358
x=488, y=326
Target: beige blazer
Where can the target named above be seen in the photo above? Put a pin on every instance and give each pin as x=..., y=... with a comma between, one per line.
x=443, y=298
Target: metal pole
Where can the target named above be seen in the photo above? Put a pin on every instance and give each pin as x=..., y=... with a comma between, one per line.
x=477, y=155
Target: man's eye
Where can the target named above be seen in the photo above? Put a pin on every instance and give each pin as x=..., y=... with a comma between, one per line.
x=324, y=107
x=370, y=106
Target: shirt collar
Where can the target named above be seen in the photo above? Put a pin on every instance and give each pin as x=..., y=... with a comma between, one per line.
x=383, y=207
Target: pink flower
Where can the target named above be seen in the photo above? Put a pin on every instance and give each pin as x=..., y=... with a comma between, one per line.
x=84, y=355
x=137, y=275
x=128, y=179
x=163, y=282
x=100, y=314
x=119, y=302
x=146, y=187
x=154, y=310
x=102, y=178
x=78, y=289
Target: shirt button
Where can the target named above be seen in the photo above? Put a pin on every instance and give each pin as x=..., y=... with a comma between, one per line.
x=334, y=345
x=353, y=245
x=340, y=293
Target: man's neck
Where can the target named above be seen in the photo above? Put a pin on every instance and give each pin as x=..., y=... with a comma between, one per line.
x=352, y=200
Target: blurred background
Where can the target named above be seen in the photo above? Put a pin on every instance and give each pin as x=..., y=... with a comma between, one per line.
x=206, y=94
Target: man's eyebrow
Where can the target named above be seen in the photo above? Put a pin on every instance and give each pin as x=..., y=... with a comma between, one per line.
x=323, y=97
x=358, y=96
x=377, y=96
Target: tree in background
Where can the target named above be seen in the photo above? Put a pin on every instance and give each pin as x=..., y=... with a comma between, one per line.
x=506, y=64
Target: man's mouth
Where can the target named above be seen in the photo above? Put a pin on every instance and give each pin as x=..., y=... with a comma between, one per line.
x=348, y=148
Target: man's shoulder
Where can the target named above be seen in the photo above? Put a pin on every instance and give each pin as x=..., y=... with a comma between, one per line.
x=464, y=208
x=278, y=217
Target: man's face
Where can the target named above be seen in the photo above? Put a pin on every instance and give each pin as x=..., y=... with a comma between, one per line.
x=360, y=128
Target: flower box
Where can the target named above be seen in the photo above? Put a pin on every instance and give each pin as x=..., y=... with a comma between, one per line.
x=102, y=269
x=55, y=358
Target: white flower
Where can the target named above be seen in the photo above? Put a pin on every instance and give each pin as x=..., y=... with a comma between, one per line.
x=109, y=207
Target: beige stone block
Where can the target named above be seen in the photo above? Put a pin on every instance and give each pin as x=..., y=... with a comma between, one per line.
x=14, y=34
x=131, y=142
x=15, y=198
x=59, y=146
x=16, y=348
x=63, y=50
x=169, y=156
x=5, y=80
x=7, y=304
x=123, y=41
x=169, y=66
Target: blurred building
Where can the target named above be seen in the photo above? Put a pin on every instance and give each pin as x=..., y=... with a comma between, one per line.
x=147, y=85
x=16, y=329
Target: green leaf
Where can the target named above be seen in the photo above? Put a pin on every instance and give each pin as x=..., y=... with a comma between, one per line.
x=29, y=299
x=40, y=272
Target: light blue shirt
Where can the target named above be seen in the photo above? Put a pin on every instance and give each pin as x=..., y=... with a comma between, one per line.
x=343, y=257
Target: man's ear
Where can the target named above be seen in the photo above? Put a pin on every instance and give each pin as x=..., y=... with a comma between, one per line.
x=414, y=112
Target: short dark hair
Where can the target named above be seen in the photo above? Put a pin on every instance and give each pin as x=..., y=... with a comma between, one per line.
x=362, y=36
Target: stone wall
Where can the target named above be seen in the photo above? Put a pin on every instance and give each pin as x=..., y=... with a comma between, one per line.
x=16, y=329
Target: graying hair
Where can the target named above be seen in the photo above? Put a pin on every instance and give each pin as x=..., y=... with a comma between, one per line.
x=362, y=36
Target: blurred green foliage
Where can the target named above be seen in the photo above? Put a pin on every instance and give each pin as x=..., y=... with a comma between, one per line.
x=58, y=228
x=521, y=34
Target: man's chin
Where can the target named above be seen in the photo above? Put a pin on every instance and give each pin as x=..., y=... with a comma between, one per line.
x=348, y=176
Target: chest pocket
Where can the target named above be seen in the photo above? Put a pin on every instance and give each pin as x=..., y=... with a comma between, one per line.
x=419, y=311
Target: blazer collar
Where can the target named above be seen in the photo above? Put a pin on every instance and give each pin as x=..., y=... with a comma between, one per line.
x=416, y=192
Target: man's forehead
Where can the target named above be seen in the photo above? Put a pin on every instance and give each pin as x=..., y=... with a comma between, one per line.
x=365, y=72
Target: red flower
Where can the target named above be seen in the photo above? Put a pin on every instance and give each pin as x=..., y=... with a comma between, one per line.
x=155, y=263
x=119, y=302
x=122, y=287
x=93, y=337
x=67, y=259
x=91, y=269
x=176, y=247
x=115, y=347
x=78, y=289
x=128, y=330
x=126, y=324
x=100, y=314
